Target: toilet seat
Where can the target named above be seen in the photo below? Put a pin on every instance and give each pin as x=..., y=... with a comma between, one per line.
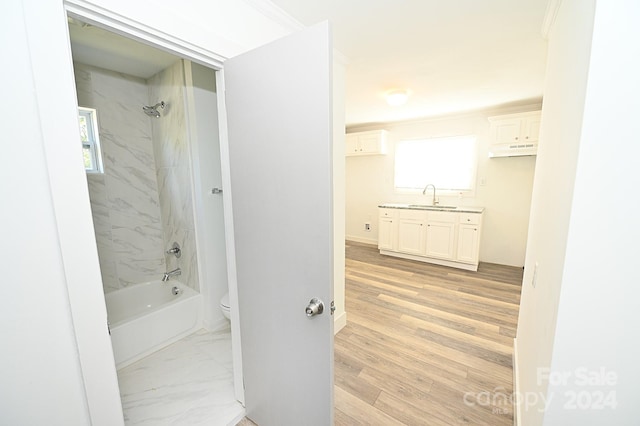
x=224, y=302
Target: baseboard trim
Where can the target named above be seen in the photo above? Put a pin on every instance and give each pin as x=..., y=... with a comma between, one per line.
x=361, y=240
x=339, y=322
x=516, y=384
x=466, y=266
x=217, y=325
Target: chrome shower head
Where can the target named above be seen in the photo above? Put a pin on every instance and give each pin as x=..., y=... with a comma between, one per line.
x=152, y=111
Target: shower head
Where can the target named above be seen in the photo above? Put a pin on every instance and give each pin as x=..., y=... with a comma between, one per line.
x=152, y=111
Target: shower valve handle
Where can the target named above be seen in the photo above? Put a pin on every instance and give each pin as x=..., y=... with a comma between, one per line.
x=175, y=250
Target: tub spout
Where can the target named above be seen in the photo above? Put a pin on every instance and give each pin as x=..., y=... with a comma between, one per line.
x=173, y=273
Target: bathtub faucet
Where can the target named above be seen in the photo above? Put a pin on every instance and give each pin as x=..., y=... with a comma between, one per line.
x=173, y=273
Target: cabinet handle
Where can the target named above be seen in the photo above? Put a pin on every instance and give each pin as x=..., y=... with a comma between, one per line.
x=516, y=138
x=526, y=137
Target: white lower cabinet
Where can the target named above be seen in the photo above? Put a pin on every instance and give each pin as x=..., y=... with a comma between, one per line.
x=412, y=231
x=387, y=229
x=469, y=238
x=445, y=238
x=441, y=235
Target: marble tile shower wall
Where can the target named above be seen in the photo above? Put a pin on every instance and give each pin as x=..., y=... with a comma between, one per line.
x=124, y=200
x=173, y=169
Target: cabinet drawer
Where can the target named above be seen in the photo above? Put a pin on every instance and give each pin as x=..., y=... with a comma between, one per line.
x=413, y=214
x=446, y=217
x=391, y=213
x=470, y=218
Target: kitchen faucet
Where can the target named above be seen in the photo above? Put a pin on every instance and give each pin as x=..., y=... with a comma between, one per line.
x=424, y=192
x=173, y=273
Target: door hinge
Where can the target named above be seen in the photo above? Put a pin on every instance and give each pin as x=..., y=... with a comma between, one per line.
x=333, y=307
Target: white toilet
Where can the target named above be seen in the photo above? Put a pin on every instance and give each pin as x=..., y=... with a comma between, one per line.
x=225, y=306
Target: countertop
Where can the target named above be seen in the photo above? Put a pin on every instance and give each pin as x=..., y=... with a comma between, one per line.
x=462, y=209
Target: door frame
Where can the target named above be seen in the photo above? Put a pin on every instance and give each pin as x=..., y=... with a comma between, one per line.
x=70, y=197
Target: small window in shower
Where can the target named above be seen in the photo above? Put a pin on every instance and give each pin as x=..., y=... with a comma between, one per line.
x=87, y=118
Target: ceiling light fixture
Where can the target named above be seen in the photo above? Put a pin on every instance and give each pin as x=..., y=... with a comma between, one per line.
x=397, y=97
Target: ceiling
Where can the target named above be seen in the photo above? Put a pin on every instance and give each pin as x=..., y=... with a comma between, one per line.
x=101, y=48
x=451, y=56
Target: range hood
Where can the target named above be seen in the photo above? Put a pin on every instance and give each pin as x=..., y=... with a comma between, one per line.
x=513, y=150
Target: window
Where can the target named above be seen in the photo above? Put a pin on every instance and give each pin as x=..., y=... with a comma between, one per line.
x=448, y=163
x=89, y=138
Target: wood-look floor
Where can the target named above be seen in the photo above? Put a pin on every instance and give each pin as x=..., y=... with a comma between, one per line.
x=425, y=344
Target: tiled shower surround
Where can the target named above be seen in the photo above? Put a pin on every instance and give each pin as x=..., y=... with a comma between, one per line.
x=142, y=201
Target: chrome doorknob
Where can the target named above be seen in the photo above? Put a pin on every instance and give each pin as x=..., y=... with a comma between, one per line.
x=315, y=307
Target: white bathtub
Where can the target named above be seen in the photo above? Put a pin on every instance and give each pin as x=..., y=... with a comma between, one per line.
x=147, y=317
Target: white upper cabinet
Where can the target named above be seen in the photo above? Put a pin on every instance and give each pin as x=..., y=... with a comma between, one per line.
x=514, y=134
x=372, y=142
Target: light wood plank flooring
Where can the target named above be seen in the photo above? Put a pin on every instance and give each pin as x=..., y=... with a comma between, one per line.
x=425, y=344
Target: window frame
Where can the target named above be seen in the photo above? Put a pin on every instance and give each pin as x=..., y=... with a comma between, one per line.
x=93, y=142
x=440, y=191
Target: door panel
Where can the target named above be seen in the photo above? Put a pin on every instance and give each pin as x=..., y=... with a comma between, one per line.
x=440, y=240
x=278, y=103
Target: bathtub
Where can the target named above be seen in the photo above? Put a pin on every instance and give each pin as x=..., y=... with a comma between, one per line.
x=147, y=317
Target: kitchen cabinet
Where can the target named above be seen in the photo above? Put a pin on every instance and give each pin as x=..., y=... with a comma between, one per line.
x=514, y=134
x=441, y=234
x=372, y=142
x=468, y=238
x=423, y=233
x=387, y=229
x=411, y=231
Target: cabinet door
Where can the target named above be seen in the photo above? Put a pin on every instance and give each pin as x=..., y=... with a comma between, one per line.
x=508, y=130
x=370, y=143
x=468, y=243
x=387, y=229
x=351, y=144
x=386, y=234
x=411, y=236
x=441, y=240
x=531, y=129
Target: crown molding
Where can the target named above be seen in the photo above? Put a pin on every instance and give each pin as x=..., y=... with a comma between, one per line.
x=550, y=17
x=276, y=14
x=522, y=106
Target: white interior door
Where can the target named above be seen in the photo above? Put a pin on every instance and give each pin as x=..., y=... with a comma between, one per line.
x=278, y=104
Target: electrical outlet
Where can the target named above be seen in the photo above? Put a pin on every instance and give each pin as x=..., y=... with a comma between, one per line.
x=367, y=227
x=535, y=275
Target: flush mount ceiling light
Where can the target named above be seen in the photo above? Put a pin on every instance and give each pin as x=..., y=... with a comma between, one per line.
x=397, y=97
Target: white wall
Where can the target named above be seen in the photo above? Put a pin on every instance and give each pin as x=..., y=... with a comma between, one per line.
x=503, y=185
x=584, y=305
x=173, y=171
x=57, y=362
x=124, y=199
x=41, y=378
x=567, y=67
x=598, y=321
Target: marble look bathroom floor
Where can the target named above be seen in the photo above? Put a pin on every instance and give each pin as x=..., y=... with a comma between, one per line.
x=187, y=383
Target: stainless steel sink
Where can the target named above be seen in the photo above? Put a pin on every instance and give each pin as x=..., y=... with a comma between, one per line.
x=436, y=207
